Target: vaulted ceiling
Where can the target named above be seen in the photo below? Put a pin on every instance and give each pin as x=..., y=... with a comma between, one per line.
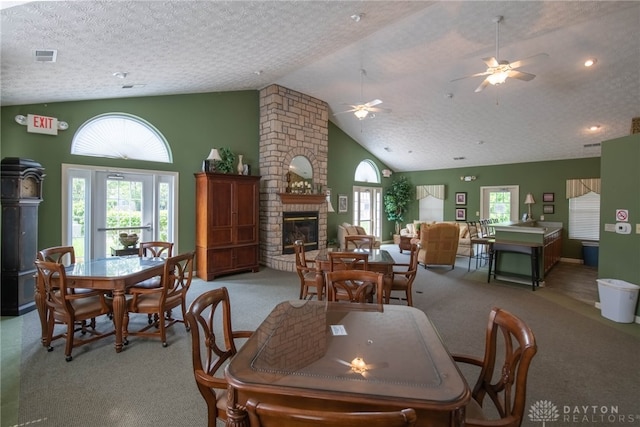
x=411, y=52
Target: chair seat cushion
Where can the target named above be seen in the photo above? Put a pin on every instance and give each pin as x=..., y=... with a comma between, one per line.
x=473, y=411
x=149, y=302
x=221, y=403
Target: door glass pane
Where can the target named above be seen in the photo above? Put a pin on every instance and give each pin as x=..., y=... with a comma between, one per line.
x=163, y=211
x=500, y=205
x=123, y=210
x=78, y=211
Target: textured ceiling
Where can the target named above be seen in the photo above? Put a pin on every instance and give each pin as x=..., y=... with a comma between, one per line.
x=410, y=50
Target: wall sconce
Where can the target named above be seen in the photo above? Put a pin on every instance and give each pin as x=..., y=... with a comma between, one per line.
x=386, y=173
x=468, y=178
x=529, y=200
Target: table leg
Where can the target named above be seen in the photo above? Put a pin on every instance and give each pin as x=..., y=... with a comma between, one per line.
x=119, y=308
x=236, y=416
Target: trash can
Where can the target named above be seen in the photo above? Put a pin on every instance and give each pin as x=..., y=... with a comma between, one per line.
x=618, y=300
x=590, y=253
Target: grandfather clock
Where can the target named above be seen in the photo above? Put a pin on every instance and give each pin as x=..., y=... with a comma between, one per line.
x=21, y=193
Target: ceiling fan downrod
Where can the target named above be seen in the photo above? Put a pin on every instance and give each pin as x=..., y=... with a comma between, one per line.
x=497, y=20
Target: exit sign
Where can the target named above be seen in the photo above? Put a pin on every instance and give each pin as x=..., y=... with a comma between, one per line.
x=42, y=124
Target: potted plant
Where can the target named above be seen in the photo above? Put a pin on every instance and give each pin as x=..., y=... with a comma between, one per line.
x=226, y=164
x=396, y=201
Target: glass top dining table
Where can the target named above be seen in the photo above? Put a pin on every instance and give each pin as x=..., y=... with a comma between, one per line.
x=364, y=356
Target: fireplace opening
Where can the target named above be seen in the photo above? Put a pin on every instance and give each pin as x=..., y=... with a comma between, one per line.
x=299, y=226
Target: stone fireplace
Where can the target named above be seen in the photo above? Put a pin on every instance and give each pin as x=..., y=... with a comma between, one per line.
x=291, y=124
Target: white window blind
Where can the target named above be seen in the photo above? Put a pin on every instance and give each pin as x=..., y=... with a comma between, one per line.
x=584, y=217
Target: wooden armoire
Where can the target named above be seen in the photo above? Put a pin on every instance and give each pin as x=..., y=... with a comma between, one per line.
x=227, y=224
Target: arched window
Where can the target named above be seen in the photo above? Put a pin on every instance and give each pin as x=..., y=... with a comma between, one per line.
x=121, y=136
x=367, y=171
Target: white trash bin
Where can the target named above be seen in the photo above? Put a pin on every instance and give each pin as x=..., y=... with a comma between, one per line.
x=618, y=300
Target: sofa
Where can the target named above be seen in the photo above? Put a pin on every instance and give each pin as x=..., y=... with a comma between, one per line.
x=346, y=229
x=464, y=242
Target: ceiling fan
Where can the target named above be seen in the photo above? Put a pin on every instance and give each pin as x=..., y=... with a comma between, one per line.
x=499, y=70
x=362, y=111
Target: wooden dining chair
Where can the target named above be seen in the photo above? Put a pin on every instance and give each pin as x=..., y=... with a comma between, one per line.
x=359, y=242
x=507, y=391
x=176, y=280
x=69, y=308
x=270, y=415
x=355, y=286
x=348, y=261
x=403, y=277
x=152, y=249
x=307, y=274
x=209, y=353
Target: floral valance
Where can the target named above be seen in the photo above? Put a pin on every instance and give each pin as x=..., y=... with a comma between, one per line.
x=436, y=191
x=580, y=187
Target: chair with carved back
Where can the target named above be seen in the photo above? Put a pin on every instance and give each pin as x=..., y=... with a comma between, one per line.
x=176, y=280
x=210, y=353
x=307, y=274
x=404, y=276
x=511, y=343
x=348, y=261
x=153, y=249
x=359, y=242
x=263, y=414
x=355, y=286
x=68, y=308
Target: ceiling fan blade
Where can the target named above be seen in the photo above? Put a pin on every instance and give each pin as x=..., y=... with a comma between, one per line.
x=373, y=103
x=484, y=84
x=379, y=110
x=484, y=73
x=345, y=111
x=520, y=63
x=491, y=62
x=521, y=75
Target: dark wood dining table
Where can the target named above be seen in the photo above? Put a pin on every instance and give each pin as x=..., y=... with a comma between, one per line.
x=112, y=274
x=379, y=261
x=348, y=357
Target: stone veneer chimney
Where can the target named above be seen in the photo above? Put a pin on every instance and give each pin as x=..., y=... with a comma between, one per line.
x=291, y=124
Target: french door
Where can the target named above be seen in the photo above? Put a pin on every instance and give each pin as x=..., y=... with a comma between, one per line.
x=500, y=203
x=99, y=205
x=367, y=209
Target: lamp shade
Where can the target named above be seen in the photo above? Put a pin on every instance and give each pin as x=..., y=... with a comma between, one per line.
x=214, y=155
x=528, y=200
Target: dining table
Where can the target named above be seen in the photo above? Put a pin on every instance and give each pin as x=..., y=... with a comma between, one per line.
x=113, y=275
x=338, y=356
x=379, y=260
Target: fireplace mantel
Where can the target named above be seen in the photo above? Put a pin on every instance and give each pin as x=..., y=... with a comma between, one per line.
x=302, y=199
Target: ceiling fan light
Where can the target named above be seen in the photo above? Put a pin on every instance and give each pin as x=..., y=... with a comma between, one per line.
x=361, y=114
x=498, y=78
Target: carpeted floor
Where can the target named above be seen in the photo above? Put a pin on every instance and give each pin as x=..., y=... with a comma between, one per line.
x=584, y=361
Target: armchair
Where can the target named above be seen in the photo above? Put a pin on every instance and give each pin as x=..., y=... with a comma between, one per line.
x=346, y=229
x=439, y=244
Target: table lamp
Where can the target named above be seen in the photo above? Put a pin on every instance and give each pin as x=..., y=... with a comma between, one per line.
x=528, y=200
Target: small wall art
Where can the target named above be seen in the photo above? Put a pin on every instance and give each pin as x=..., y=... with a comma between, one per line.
x=461, y=214
x=342, y=203
x=548, y=209
x=548, y=197
x=461, y=198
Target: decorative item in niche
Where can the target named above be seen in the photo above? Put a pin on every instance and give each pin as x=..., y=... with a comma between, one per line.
x=461, y=198
x=461, y=214
x=342, y=203
x=548, y=209
x=548, y=197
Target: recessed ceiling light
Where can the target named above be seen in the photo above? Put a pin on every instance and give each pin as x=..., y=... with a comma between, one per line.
x=120, y=74
x=356, y=17
x=590, y=62
x=594, y=128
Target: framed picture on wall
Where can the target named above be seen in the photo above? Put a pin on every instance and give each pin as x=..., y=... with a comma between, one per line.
x=548, y=209
x=461, y=214
x=342, y=203
x=461, y=198
x=548, y=197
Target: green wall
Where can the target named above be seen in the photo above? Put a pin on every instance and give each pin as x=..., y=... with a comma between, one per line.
x=192, y=124
x=619, y=254
x=535, y=178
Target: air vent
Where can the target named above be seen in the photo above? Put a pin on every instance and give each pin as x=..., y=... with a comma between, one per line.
x=45, y=55
x=459, y=158
x=595, y=144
